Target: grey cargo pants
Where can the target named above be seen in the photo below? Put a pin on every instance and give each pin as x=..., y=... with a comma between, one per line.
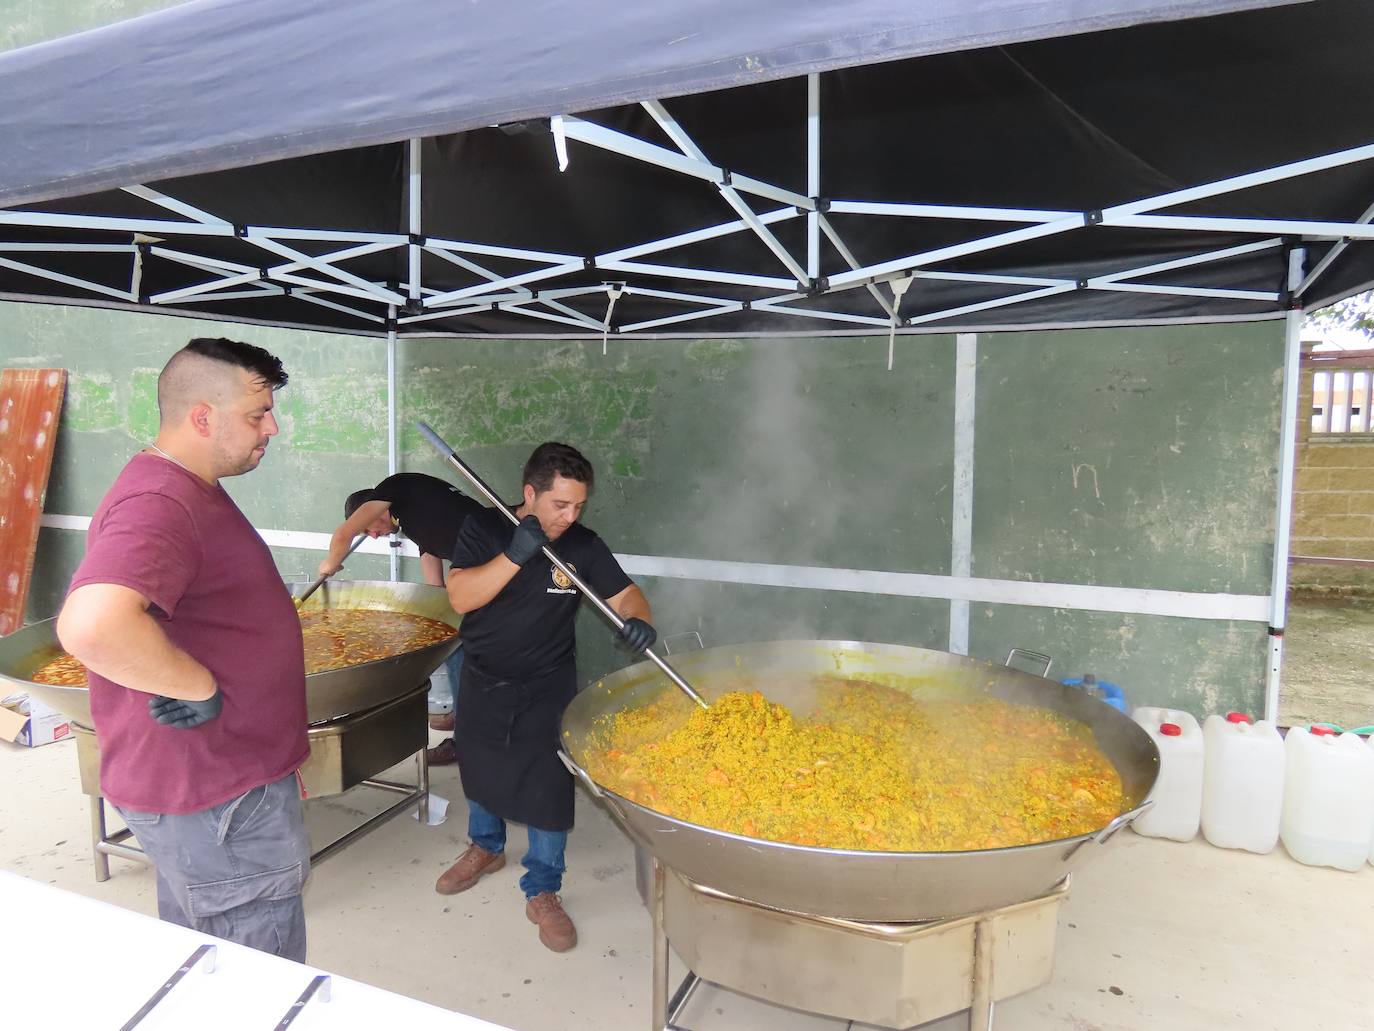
x=234, y=870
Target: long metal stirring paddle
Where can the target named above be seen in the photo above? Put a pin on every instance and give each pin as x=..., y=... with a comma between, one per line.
x=316, y=585
x=442, y=447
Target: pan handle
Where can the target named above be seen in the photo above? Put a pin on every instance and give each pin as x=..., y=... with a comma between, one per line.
x=1040, y=658
x=693, y=634
x=607, y=799
x=1109, y=831
x=580, y=774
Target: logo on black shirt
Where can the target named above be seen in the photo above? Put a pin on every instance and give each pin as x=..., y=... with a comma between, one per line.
x=561, y=583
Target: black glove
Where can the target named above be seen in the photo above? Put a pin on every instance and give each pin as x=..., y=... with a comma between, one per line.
x=529, y=537
x=638, y=634
x=182, y=713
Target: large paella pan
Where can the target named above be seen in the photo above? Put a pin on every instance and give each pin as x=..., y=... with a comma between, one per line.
x=857, y=884
x=330, y=694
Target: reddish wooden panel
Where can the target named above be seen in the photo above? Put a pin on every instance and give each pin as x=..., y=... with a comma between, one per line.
x=30, y=402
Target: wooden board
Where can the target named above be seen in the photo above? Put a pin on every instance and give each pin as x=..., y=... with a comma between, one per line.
x=30, y=402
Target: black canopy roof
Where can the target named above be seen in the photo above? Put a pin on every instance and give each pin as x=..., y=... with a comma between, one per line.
x=253, y=160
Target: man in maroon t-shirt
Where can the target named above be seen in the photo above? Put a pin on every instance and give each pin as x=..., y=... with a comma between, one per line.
x=193, y=648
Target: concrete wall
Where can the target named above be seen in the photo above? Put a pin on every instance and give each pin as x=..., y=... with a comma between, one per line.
x=1140, y=458
x=1333, y=504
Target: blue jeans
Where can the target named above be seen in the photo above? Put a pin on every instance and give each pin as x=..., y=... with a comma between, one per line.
x=543, y=862
x=454, y=665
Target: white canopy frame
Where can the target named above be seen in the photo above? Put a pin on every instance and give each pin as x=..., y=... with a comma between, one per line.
x=326, y=279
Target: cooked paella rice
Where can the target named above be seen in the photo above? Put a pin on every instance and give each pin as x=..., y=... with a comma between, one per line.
x=870, y=768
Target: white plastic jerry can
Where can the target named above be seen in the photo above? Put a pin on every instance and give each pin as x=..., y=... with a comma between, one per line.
x=1370, y=742
x=1177, y=794
x=1242, y=782
x=1328, y=798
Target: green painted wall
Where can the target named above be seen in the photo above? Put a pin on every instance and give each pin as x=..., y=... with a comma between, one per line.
x=1138, y=458
x=1145, y=458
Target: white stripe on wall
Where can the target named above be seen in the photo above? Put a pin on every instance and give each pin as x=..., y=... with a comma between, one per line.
x=304, y=539
x=1139, y=601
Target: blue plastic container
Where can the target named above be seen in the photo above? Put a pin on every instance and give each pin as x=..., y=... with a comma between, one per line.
x=1102, y=690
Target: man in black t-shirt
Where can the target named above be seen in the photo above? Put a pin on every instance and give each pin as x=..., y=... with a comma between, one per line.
x=430, y=512
x=518, y=631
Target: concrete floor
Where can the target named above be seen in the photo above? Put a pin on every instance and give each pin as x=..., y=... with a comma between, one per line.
x=1154, y=935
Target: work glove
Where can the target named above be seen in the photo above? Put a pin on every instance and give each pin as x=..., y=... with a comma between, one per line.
x=183, y=713
x=638, y=634
x=528, y=538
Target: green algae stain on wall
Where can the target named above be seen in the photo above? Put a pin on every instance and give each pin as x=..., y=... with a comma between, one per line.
x=92, y=405
x=335, y=414
x=142, y=418
x=473, y=409
x=100, y=402
x=716, y=359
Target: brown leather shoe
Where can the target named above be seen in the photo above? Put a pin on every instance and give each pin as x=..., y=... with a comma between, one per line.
x=442, y=722
x=445, y=753
x=469, y=869
x=556, y=928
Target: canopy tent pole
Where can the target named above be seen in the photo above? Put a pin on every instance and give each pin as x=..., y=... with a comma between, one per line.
x=413, y=250
x=1283, y=522
x=813, y=175
x=961, y=529
x=412, y=201
x=392, y=463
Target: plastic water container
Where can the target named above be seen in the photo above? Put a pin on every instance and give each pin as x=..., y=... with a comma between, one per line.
x=440, y=698
x=1242, y=782
x=1328, y=798
x=1102, y=690
x=1177, y=794
x=1370, y=742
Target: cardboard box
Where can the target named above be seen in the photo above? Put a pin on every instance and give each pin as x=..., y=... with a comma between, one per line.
x=30, y=723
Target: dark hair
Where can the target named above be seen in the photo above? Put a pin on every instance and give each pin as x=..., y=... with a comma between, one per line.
x=552, y=459
x=263, y=364
x=357, y=500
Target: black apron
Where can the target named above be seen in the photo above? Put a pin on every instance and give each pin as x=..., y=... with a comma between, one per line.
x=506, y=735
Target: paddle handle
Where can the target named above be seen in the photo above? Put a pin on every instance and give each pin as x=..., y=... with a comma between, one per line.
x=442, y=447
